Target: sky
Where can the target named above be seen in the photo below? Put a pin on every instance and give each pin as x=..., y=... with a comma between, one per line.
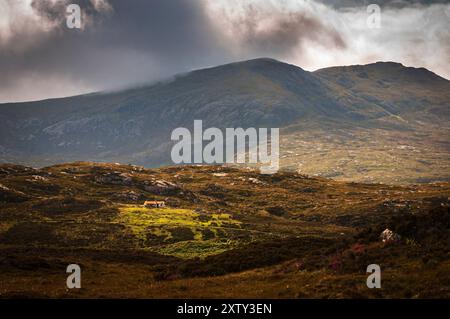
x=126, y=43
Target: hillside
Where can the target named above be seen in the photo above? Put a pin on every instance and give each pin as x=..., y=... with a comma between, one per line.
x=380, y=103
x=225, y=232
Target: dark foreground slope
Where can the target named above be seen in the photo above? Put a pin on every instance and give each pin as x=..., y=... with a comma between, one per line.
x=224, y=233
x=383, y=103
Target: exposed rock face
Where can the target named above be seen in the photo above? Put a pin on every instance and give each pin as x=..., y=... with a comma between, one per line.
x=161, y=187
x=388, y=236
x=35, y=178
x=115, y=178
x=255, y=181
x=9, y=195
x=129, y=196
x=10, y=169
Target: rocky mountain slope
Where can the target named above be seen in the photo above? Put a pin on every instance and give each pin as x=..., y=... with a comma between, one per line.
x=382, y=100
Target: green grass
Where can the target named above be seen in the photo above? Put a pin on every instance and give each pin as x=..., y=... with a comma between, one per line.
x=162, y=223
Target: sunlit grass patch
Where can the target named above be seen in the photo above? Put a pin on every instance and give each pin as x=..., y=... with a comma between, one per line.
x=179, y=232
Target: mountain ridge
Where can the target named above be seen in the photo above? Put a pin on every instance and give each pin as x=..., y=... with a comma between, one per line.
x=255, y=60
x=134, y=125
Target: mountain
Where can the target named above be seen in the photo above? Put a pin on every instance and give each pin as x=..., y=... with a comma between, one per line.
x=134, y=126
x=394, y=88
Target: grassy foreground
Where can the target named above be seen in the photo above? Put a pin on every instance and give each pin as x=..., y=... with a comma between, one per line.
x=225, y=232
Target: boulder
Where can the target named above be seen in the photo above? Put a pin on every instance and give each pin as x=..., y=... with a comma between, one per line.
x=388, y=236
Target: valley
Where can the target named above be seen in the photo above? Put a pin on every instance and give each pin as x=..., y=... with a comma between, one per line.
x=369, y=156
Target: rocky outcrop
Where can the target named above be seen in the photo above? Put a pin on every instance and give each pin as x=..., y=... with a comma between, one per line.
x=388, y=236
x=114, y=178
x=161, y=187
x=9, y=195
x=128, y=196
x=12, y=169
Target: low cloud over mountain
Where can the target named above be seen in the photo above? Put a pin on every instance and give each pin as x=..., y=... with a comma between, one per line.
x=124, y=44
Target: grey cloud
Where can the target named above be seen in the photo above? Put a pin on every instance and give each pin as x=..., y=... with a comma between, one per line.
x=288, y=32
x=129, y=42
x=55, y=11
x=140, y=41
x=274, y=29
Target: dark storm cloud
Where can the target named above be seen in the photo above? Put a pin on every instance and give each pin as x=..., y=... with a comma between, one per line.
x=43, y=45
x=55, y=11
x=123, y=43
x=138, y=41
x=287, y=32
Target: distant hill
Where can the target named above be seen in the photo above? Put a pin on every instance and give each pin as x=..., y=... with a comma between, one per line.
x=412, y=93
x=134, y=126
